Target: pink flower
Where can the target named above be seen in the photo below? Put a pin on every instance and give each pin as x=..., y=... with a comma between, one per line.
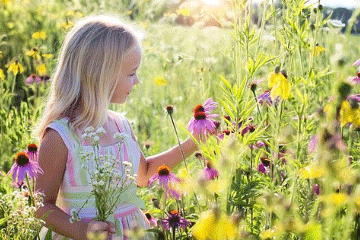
x=174, y=220
x=312, y=144
x=32, y=151
x=356, y=63
x=22, y=166
x=33, y=78
x=152, y=221
x=356, y=79
x=202, y=122
x=209, y=172
x=165, y=176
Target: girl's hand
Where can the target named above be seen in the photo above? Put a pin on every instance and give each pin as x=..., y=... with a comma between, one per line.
x=96, y=229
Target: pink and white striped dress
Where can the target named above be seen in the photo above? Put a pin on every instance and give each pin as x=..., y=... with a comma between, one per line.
x=76, y=187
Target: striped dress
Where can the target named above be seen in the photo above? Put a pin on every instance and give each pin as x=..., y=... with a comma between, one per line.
x=76, y=188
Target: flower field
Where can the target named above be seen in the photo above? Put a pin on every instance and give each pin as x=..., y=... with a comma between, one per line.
x=277, y=97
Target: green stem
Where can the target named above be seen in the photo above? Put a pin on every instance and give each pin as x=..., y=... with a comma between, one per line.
x=177, y=137
x=32, y=201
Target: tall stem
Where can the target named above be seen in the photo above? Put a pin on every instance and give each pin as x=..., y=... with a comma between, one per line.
x=177, y=137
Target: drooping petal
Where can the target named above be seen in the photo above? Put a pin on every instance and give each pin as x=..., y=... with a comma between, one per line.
x=153, y=178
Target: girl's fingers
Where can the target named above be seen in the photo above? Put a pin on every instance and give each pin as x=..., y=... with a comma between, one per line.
x=111, y=227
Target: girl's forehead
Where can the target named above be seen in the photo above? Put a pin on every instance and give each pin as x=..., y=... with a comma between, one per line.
x=133, y=58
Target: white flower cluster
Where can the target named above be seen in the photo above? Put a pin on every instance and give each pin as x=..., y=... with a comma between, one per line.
x=93, y=136
x=21, y=220
x=108, y=178
x=74, y=216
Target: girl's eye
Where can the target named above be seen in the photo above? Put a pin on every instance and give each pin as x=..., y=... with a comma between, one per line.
x=132, y=75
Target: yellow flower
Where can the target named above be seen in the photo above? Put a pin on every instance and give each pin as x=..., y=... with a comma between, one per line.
x=338, y=198
x=66, y=25
x=48, y=55
x=6, y=1
x=70, y=13
x=41, y=69
x=2, y=75
x=349, y=114
x=145, y=24
x=318, y=49
x=214, y=225
x=312, y=171
x=160, y=81
x=1, y=54
x=128, y=12
x=270, y=233
x=279, y=85
x=34, y=53
x=15, y=67
x=39, y=35
x=183, y=11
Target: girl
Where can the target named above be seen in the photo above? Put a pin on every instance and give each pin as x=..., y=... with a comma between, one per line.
x=97, y=66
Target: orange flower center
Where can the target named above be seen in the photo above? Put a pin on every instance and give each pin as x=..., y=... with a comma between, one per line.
x=208, y=164
x=163, y=170
x=358, y=74
x=198, y=108
x=22, y=159
x=174, y=212
x=32, y=147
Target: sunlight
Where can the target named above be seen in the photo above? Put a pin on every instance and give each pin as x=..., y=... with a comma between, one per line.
x=212, y=2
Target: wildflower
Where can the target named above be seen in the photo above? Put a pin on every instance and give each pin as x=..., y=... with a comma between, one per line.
x=66, y=25
x=152, y=220
x=1, y=54
x=356, y=63
x=318, y=49
x=312, y=171
x=214, y=225
x=202, y=122
x=355, y=80
x=184, y=12
x=22, y=166
x=165, y=176
x=349, y=113
x=265, y=98
x=160, y=81
x=45, y=78
x=174, y=220
x=15, y=67
x=47, y=55
x=2, y=75
x=41, y=69
x=249, y=128
x=33, y=78
x=39, y=35
x=32, y=151
x=222, y=135
x=169, y=109
x=264, y=166
x=279, y=84
x=34, y=53
x=210, y=173
x=316, y=189
x=338, y=198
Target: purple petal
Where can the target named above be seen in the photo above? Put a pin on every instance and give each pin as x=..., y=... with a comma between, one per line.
x=153, y=179
x=356, y=63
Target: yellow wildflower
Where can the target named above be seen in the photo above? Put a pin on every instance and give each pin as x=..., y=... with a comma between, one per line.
x=6, y=2
x=145, y=24
x=15, y=67
x=41, y=69
x=34, y=53
x=66, y=25
x=214, y=225
x=160, y=81
x=270, y=233
x=48, y=55
x=279, y=85
x=183, y=11
x=10, y=25
x=2, y=75
x=187, y=184
x=39, y=35
x=1, y=54
x=312, y=171
x=318, y=49
x=128, y=12
x=70, y=13
x=338, y=198
x=349, y=114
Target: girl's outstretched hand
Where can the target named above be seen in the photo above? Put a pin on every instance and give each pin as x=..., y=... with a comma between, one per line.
x=100, y=230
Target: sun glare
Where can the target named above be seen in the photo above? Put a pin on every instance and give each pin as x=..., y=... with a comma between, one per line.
x=211, y=2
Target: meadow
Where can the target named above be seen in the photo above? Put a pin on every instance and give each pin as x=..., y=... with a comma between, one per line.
x=287, y=149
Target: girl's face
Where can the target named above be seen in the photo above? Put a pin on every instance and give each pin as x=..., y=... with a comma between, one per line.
x=128, y=77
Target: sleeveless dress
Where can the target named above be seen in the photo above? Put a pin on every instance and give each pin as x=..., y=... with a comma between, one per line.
x=76, y=187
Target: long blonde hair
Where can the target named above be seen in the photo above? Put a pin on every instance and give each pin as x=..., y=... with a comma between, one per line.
x=89, y=66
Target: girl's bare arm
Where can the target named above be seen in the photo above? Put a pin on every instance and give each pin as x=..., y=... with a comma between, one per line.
x=52, y=159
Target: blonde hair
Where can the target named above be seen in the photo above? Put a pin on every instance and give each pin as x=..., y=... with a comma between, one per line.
x=89, y=66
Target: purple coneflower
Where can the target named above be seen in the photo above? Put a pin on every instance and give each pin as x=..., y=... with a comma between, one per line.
x=225, y=132
x=258, y=144
x=165, y=176
x=249, y=128
x=209, y=172
x=33, y=78
x=202, y=122
x=22, y=166
x=152, y=221
x=356, y=79
x=174, y=220
x=264, y=166
x=265, y=98
x=209, y=105
x=316, y=189
x=32, y=151
x=356, y=63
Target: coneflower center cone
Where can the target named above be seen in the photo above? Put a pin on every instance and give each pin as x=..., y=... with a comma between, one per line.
x=163, y=171
x=22, y=159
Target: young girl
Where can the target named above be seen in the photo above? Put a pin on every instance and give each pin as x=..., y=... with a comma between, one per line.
x=97, y=66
